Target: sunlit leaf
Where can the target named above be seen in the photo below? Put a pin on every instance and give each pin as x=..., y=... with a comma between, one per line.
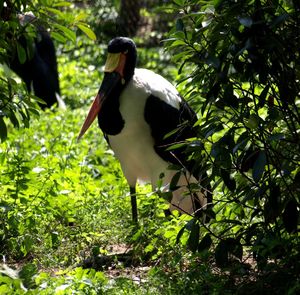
x=55, y=11
x=59, y=37
x=81, y=16
x=87, y=31
x=62, y=4
x=66, y=31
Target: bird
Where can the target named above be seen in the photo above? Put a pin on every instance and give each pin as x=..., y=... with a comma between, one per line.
x=142, y=115
x=39, y=71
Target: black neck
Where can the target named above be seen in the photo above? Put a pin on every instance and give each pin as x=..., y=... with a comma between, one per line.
x=109, y=118
x=131, y=59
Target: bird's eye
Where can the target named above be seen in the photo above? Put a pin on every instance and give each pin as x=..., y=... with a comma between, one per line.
x=126, y=51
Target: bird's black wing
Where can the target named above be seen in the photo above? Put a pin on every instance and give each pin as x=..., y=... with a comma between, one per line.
x=165, y=119
x=46, y=50
x=40, y=70
x=170, y=126
x=45, y=76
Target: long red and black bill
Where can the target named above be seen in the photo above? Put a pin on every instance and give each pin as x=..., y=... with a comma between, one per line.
x=114, y=72
x=109, y=82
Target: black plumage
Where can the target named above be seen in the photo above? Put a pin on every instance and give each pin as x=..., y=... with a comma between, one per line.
x=136, y=110
x=39, y=71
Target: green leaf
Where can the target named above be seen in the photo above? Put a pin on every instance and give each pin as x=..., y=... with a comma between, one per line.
x=174, y=181
x=166, y=196
x=224, y=159
x=5, y=287
x=87, y=31
x=249, y=158
x=205, y=243
x=217, y=3
x=179, y=2
x=259, y=166
x=81, y=16
x=178, y=42
x=27, y=274
x=176, y=146
x=232, y=221
x=262, y=96
x=59, y=37
x=174, y=131
x=229, y=98
x=55, y=11
x=221, y=254
x=21, y=53
x=37, y=99
x=54, y=240
x=274, y=114
x=253, y=121
x=27, y=244
x=3, y=129
x=13, y=119
x=179, y=35
x=193, y=240
x=179, y=25
x=67, y=32
x=228, y=180
x=62, y=4
x=179, y=235
x=34, y=111
x=241, y=142
x=25, y=119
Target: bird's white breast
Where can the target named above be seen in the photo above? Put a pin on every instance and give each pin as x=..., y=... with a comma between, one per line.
x=134, y=146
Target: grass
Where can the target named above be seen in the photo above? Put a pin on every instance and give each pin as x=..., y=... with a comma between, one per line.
x=66, y=204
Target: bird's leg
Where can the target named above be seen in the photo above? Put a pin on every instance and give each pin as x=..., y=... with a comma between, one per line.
x=133, y=204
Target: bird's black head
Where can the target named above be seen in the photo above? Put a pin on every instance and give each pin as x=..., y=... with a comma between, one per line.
x=118, y=71
x=125, y=46
x=121, y=44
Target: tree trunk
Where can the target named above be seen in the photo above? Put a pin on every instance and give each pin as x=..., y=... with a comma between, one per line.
x=129, y=17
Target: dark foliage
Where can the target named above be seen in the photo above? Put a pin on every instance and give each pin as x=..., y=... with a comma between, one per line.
x=244, y=59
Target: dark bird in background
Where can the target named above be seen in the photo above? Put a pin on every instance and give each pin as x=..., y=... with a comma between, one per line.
x=136, y=109
x=39, y=71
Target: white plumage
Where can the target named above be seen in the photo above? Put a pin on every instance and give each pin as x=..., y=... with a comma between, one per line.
x=136, y=108
x=134, y=145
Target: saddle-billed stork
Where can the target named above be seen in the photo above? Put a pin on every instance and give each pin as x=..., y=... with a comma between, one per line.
x=141, y=115
x=39, y=70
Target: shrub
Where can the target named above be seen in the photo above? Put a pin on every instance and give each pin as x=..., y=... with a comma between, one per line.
x=242, y=60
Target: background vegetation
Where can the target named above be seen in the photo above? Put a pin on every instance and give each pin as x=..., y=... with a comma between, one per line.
x=64, y=206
